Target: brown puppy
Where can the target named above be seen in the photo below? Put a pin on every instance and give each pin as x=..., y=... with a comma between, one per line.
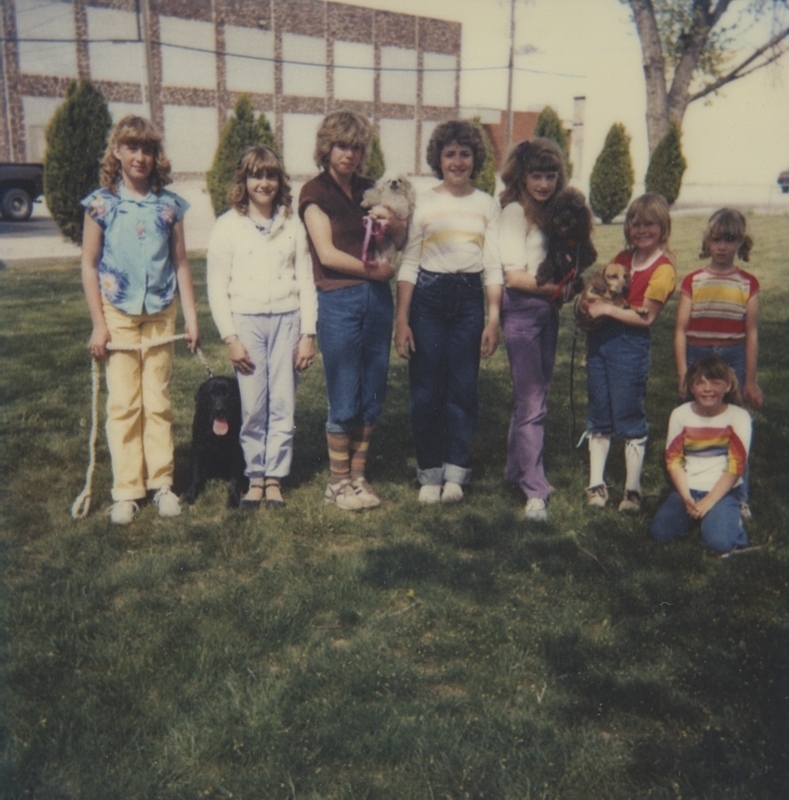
x=608, y=285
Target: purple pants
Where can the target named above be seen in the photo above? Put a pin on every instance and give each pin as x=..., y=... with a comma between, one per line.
x=531, y=329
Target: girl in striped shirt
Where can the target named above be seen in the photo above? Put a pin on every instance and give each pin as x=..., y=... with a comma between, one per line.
x=706, y=452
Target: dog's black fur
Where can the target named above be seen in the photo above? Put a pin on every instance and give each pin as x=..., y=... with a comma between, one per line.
x=569, y=234
x=216, y=456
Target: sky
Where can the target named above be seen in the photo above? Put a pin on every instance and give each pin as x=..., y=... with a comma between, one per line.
x=590, y=48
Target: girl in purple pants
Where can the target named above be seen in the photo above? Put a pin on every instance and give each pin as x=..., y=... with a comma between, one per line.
x=532, y=175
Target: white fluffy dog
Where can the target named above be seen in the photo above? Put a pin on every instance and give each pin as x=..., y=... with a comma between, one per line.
x=396, y=194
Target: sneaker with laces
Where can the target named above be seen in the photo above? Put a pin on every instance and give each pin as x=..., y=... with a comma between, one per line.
x=452, y=492
x=122, y=512
x=365, y=493
x=536, y=510
x=430, y=494
x=597, y=495
x=168, y=503
x=343, y=495
x=631, y=502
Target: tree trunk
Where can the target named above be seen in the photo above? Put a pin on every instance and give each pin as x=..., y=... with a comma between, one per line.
x=654, y=71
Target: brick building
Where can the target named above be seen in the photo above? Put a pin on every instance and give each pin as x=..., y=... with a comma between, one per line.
x=185, y=62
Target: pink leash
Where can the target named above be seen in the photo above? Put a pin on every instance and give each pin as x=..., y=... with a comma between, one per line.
x=375, y=229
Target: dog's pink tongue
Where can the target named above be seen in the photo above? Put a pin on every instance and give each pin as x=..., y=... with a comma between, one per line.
x=221, y=427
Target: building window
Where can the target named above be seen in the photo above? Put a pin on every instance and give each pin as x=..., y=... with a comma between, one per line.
x=398, y=75
x=36, y=20
x=354, y=71
x=299, y=131
x=191, y=137
x=304, y=67
x=255, y=73
x=438, y=81
x=190, y=60
x=397, y=141
x=109, y=61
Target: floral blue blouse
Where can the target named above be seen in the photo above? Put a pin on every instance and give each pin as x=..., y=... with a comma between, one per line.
x=135, y=270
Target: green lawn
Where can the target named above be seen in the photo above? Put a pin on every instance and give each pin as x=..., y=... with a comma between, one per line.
x=404, y=652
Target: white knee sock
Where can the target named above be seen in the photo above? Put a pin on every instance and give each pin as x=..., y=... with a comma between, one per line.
x=599, y=443
x=635, y=449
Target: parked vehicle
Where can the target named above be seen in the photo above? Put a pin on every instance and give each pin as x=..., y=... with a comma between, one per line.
x=20, y=186
x=783, y=181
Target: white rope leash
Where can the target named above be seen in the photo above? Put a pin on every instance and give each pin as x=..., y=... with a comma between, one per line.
x=81, y=505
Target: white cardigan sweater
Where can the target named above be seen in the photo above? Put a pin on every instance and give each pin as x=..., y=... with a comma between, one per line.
x=253, y=273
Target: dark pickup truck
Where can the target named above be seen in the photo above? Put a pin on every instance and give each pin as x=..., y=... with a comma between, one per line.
x=20, y=185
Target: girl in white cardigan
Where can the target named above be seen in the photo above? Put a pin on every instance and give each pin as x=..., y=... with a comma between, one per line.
x=263, y=301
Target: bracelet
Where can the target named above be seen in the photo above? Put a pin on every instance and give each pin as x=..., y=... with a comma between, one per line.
x=231, y=338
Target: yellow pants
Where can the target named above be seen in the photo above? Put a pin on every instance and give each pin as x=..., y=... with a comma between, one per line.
x=139, y=418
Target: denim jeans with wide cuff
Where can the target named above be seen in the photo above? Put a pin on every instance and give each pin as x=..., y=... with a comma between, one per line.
x=617, y=369
x=721, y=526
x=355, y=336
x=447, y=317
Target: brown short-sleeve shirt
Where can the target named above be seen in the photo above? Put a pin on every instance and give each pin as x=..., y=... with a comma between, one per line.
x=346, y=216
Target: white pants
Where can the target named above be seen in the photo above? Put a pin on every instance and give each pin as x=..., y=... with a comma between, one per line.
x=268, y=395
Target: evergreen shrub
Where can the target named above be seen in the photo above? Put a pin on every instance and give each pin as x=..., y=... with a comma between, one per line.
x=612, y=178
x=376, y=164
x=486, y=179
x=241, y=131
x=667, y=166
x=549, y=126
x=76, y=139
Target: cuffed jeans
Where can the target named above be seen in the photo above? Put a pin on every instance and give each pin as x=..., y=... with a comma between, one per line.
x=268, y=395
x=447, y=317
x=355, y=337
x=531, y=328
x=721, y=526
x=617, y=369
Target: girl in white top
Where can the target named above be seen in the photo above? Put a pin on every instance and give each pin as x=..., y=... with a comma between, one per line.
x=442, y=289
x=263, y=301
x=533, y=175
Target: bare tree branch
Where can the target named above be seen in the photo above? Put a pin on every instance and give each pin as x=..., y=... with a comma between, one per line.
x=737, y=72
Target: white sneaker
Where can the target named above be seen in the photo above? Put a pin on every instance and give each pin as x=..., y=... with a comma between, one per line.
x=168, y=504
x=536, y=510
x=122, y=512
x=430, y=493
x=452, y=492
x=367, y=497
x=344, y=495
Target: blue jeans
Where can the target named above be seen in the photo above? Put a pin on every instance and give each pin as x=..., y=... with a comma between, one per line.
x=617, y=369
x=447, y=317
x=355, y=336
x=732, y=355
x=721, y=526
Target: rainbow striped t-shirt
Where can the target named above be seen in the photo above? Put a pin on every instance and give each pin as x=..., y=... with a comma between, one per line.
x=706, y=447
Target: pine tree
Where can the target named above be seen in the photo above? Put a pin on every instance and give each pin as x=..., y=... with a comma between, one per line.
x=76, y=140
x=376, y=164
x=667, y=166
x=486, y=178
x=549, y=126
x=611, y=181
x=242, y=130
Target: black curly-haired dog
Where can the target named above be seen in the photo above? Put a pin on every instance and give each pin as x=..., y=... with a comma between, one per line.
x=216, y=449
x=569, y=235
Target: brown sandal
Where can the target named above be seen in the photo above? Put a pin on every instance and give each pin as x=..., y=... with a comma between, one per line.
x=273, y=494
x=252, y=499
